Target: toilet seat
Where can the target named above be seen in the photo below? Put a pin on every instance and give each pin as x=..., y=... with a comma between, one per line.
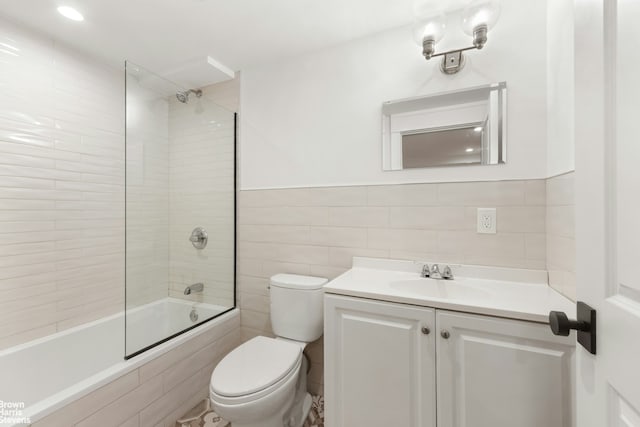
x=267, y=393
x=255, y=369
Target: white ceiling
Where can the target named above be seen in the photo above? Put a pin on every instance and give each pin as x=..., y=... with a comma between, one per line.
x=163, y=35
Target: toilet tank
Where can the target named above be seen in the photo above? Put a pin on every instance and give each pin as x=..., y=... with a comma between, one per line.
x=297, y=306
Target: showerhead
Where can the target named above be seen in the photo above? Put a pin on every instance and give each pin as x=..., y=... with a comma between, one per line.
x=184, y=96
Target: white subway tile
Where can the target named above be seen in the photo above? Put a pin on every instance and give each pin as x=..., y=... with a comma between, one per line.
x=359, y=216
x=343, y=257
x=430, y=218
x=121, y=410
x=338, y=196
x=403, y=195
x=521, y=219
x=560, y=190
x=402, y=239
x=482, y=194
x=338, y=236
x=561, y=220
x=536, y=192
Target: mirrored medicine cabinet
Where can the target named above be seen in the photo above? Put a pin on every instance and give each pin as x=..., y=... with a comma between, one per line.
x=462, y=127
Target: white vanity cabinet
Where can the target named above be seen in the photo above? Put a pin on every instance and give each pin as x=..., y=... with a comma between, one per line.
x=380, y=366
x=502, y=373
x=382, y=369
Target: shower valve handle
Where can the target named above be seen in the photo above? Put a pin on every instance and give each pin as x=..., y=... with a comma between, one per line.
x=199, y=238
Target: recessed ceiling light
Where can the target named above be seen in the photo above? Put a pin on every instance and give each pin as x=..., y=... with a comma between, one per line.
x=478, y=129
x=469, y=150
x=71, y=13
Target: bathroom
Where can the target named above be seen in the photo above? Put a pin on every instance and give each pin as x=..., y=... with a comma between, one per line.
x=211, y=213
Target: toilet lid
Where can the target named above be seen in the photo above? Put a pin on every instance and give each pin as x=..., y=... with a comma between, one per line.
x=295, y=281
x=254, y=366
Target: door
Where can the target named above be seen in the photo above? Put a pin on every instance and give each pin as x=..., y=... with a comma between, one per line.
x=607, y=111
x=502, y=373
x=379, y=364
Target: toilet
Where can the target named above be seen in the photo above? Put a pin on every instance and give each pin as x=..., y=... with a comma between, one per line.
x=263, y=382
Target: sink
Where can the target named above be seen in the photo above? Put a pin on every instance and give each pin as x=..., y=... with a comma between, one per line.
x=494, y=291
x=444, y=289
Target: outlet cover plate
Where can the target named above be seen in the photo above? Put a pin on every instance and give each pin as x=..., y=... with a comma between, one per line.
x=487, y=220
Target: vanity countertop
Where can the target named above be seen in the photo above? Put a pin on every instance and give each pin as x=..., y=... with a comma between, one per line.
x=501, y=292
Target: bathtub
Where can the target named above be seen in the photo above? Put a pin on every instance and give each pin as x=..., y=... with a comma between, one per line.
x=46, y=374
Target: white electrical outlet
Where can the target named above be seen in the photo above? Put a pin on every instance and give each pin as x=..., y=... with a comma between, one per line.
x=487, y=220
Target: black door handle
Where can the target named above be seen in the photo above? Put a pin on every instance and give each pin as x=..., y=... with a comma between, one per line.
x=561, y=325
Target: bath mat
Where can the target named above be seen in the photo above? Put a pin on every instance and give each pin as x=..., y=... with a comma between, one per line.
x=203, y=416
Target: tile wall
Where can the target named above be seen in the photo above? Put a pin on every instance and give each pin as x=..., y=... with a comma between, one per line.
x=179, y=177
x=317, y=231
x=561, y=243
x=158, y=392
x=62, y=190
x=61, y=187
x=147, y=207
x=201, y=188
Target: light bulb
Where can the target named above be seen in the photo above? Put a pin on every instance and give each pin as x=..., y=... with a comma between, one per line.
x=431, y=28
x=480, y=13
x=428, y=32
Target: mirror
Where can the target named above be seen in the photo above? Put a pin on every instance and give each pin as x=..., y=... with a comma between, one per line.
x=464, y=127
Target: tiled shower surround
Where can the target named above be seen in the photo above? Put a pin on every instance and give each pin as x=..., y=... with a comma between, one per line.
x=179, y=176
x=62, y=191
x=317, y=231
x=147, y=207
x=61, y=188
x=201, y=186
x=62, y=236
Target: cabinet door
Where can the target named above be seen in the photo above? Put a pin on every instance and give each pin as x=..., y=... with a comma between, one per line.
x=379, y=364
x=502, y=373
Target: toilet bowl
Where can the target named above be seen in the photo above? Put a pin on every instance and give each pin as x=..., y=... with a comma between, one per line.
x=256, y=384
x=263, y=382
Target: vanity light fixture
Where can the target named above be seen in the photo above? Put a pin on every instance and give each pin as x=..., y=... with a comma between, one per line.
x=477, y=18
x=469, y=150
x=71, y=13
x=428, y=32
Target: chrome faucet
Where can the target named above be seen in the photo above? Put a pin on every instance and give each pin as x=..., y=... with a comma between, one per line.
x=434, y=272
x=196, y=287
x=425, y=271
x=447, y=274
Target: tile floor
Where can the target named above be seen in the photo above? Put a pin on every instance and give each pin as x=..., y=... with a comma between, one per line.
x=205, y=417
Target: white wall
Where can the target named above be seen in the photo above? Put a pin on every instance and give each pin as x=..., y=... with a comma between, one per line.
x=61, y=187
x=560, y=88
x=314, y=120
